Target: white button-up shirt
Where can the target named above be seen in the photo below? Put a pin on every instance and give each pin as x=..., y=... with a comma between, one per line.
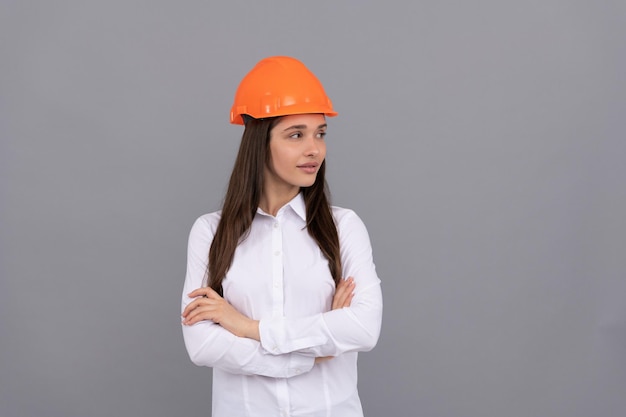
x=280, y=277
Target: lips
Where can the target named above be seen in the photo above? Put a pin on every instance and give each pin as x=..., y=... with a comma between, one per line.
x=309, y=167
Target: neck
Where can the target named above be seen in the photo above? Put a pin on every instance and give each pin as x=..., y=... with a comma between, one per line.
x=273, y=199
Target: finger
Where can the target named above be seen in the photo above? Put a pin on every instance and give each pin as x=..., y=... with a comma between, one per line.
x=345, y=301
x=189, y=308
x=348, y=300
x=204, y=312
x=203, y=292
x=197, y=319
x=197, y=316
x=343, y=285
x=349, y=284
x=194, y=305
x=345, y=282
x=343, y=296
x=337, y=300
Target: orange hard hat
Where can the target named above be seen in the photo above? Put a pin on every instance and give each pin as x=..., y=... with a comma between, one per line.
x=279, y=86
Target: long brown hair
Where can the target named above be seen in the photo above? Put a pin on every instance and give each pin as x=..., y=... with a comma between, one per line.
x=242, y=199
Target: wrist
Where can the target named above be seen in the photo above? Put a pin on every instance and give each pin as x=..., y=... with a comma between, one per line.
x=252, y=331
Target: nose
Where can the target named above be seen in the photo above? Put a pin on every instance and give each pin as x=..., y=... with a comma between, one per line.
x=312, y=147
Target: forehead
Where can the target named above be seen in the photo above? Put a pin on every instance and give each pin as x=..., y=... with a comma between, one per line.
x=309, y=120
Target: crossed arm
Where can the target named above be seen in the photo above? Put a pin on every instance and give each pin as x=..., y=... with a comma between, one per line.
x=218, y=335
x=209, y=305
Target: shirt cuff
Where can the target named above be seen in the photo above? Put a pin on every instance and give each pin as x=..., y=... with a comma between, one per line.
x=300, y=364
x=279, y=335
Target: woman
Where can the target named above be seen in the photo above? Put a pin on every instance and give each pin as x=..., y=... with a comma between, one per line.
x=281, y=291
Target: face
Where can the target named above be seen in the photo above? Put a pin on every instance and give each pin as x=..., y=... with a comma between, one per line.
x=297, y=149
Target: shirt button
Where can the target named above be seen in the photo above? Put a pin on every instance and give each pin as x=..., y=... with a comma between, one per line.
x=277, y=253
x=298, y=371
x=275, y=225
x=276, y=285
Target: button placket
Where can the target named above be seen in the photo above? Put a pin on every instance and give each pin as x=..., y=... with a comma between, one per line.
x=277, y=269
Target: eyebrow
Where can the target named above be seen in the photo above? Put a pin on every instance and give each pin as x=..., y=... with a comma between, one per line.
x=322, y=126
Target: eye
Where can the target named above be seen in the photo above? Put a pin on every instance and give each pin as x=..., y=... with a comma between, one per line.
x=295, y=135
x=320, y=135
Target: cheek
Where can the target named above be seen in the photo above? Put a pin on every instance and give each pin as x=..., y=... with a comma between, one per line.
x=279, y=158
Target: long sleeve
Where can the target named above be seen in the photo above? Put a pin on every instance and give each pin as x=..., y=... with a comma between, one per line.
x=355, y=328
x=209, y=344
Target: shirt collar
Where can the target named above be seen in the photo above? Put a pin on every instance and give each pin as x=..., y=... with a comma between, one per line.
x=296, y=204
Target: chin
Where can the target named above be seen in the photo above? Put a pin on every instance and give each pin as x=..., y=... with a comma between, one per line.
x=305, y=182
x=309, y=183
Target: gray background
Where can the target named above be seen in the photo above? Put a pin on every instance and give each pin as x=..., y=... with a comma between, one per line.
x=482, y=142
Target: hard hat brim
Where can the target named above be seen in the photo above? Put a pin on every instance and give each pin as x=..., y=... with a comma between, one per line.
x=237, y=119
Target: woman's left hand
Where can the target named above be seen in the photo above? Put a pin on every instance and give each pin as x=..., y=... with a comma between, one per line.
x=208, y=305
x=343, y=294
